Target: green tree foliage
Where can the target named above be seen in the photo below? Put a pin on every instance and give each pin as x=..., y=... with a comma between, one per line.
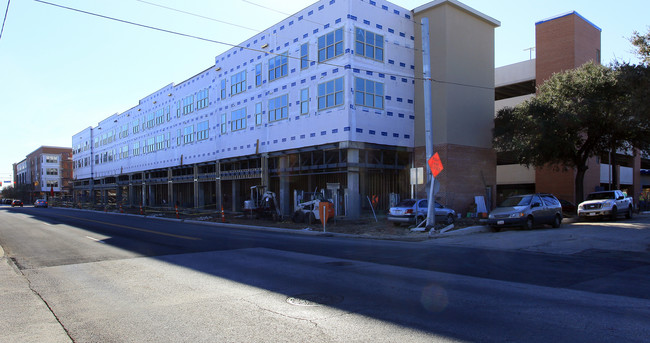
x=642, y=45
x=576, y=115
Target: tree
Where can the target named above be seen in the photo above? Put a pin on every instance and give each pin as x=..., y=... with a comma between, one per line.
x=642, y=44
x=575, y=116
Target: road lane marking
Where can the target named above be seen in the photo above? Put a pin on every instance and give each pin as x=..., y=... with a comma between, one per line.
x=96, y=240
x=136, y=228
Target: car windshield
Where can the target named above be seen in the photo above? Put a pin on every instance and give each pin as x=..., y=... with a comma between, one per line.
x=406, y=203
x=601, y=196
x=519, y=200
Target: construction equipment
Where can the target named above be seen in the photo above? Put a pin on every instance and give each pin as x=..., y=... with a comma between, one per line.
x=263, y=204
x=308, y=211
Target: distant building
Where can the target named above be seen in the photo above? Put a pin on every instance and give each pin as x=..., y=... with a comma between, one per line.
x=329, y=98
x=563, y=42
x=45, y=172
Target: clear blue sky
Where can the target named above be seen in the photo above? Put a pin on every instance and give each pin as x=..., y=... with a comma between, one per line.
x=62, y=71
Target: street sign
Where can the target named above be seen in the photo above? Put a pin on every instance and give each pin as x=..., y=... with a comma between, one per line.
x=435, y=165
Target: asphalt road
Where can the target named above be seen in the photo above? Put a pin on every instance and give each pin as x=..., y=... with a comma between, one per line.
x=109, y=277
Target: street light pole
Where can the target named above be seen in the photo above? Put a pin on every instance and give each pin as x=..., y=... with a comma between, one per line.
x=428, y=120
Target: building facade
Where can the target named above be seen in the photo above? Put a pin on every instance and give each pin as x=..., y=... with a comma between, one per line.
x=325, y=99
x=45, y=172
x=563, y=42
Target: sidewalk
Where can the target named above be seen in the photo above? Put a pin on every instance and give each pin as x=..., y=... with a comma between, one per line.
x=25, y=317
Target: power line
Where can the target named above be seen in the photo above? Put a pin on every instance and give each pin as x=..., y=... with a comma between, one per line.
x=198, y=15
x=5, y=19
x=248, y=48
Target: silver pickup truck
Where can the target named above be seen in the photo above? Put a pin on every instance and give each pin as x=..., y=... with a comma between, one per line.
x=606, y=204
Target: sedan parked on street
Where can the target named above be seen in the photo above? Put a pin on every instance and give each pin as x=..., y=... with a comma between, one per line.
x=414, y=211
x=40, y=203
x=527, y=211
x=17, y=203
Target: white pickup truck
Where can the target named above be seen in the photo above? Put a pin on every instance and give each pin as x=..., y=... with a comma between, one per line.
x=606, y=204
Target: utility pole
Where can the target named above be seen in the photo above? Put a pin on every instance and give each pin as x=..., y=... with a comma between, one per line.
x=428, y=120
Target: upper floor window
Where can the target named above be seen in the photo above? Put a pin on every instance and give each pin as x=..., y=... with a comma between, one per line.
x=188, y=134
x=238, y=83
x=258, y=74
x=135, y=125
x=202, y=99
x=160, y=116
x=330, y=94
x=52, y=171
x=304, y=101
x=188, y=104
x=304, y=56
x=278, y=66
x=224, y=122
x=368, y=44
x=258, y=113
x=223, y=89
x=202, y=130
x=51, y=159
x=279, y=108
x=368, y=93
x=330, y=45
x=238, y=119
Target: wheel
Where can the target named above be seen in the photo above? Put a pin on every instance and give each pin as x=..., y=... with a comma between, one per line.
x=528, y=225
x=298, y=217
x=450, y=219
x=557, y=221
x=628, y=215
x=310, y=218
x=614, y=214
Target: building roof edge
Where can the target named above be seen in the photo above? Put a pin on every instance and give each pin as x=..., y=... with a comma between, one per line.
x=459, y=5
x=568, y=14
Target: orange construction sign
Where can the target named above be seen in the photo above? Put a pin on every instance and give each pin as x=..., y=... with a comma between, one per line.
x=435, y=165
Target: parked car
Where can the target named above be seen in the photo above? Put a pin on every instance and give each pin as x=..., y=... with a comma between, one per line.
x=414, y=211
x=17, y=203
x=606, y=204
x=527, y=211
x=568, y=207
x=40, y=203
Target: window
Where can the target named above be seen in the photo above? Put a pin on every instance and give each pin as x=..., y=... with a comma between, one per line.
x=278, y=108
x=188, y=134
x=124, y=152
x=52, y=183
x=258, y=113
x=150, y=147
x=223, y=123
x=51, y=159
x=160, y=142
x=202, y=130
x=238, y=119
x=135, y=125
x=330, y=45
x=223, y=89
x=368, y=93
x=258, y=74
x=179, y=137
x=370, y=45
x=178, y=109
x=278, y=66
x=136, y=149
x=188, y=104
x=304, y=56
x=202, y=99
x=238, y=83
x=124, y=132
x=330, y=94
x=52, y=171
x=304, y=101
x=160, y=116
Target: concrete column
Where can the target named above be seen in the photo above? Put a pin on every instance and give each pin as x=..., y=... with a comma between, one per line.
x=235, y=195
x=143, y=191
x=170, y=188
x=353, y=204
x=217, y=169
x=637, y=185
x=131, y=193
x=265, y=170
x=285, y=190
x=197, y=198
